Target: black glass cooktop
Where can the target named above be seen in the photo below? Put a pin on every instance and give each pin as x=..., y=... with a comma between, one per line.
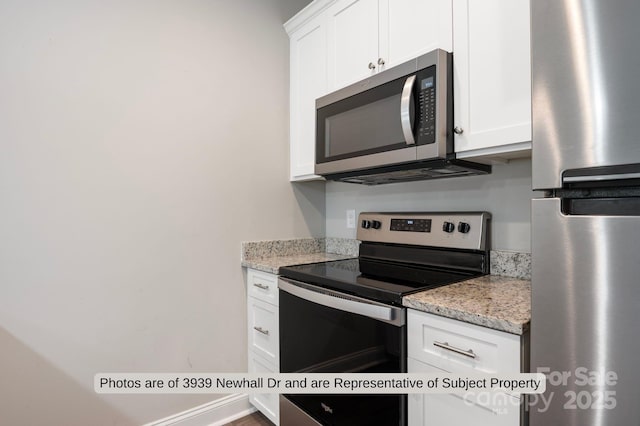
x=385, y=282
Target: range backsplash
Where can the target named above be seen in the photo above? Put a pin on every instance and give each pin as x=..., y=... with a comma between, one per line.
x=503, y=263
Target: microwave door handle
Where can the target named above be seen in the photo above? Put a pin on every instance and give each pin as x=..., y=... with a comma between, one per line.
x=405, y=110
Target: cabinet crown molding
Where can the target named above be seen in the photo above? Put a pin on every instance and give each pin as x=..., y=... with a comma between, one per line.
x=310, y=11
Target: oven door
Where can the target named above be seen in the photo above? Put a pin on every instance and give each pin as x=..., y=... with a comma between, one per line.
x=324, y=331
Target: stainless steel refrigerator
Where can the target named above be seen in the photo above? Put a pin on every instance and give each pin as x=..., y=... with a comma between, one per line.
x=585, y=329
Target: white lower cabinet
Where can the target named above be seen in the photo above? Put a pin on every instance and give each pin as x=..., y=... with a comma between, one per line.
x=266, y=403
x=263, y=329
x=263, y=336
x=498, y=409
x=430, y=340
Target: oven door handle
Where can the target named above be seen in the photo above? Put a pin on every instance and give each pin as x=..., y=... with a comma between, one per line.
x=345, y=302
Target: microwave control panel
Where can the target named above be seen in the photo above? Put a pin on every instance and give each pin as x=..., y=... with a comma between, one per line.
x=426, y=86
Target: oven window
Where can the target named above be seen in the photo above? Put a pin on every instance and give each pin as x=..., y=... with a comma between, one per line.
x=317, y=339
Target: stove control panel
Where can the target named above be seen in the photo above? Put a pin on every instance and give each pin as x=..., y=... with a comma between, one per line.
x=463, y=230
x=410, y=225
x=366, y=224
x=448, y=227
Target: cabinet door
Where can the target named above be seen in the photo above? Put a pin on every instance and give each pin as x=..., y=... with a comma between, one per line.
x=409, y=28
x=493, y=351
x=492, y=75
x=267, y=403
x=452, y=409
x=308, y=82
x=263, y=330
x=353, y=41
x=496, y=409
x=263, y=286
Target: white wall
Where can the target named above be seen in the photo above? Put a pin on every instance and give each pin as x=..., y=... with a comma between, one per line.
x=506, y=193
x=140, y=143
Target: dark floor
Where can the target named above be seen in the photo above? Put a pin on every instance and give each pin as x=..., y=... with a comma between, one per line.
x=255, y=419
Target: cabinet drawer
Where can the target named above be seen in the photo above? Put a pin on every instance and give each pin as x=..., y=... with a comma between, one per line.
x=263, y=286
x=452, y=409
x=263, y=329
x=266, y=403
x=488, y=409
x=439, y=341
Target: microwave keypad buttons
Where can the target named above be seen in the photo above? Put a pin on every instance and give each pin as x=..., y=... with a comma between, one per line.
x=427, y=114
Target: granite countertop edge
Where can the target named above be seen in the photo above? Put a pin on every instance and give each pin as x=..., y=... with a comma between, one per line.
x=500, y=302
x=272, y=265
x=492, y=301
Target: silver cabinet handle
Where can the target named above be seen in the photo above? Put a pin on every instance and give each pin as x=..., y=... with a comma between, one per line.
x=380, y=61
x=261, y=330
x=405, y=110
x=458, y=130
x=372, y=66
x=445, y=345
x=262, y=286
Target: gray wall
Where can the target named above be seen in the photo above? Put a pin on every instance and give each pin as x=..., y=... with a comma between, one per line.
x=506, y=193
x=140, y=143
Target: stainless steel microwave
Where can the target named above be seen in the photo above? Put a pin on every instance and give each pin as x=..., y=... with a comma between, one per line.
x=394, y=126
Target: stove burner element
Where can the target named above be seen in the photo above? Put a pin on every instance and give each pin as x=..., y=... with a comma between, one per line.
x=406, y=253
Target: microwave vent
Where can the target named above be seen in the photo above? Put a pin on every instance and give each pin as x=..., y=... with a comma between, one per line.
x=409, y=172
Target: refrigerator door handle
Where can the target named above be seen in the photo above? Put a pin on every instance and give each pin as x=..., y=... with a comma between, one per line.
x=600, y=178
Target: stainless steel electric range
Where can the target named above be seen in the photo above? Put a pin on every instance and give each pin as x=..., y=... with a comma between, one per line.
x=346, y=316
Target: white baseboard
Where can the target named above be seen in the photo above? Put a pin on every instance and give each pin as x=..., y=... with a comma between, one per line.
x=214, y=413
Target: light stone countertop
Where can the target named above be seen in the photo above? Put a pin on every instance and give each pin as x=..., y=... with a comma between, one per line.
x=270, y=255
x=273, y=264
x=500, y=303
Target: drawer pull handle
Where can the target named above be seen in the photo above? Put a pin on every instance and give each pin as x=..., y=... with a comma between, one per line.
x=445, y=345
x=262, y=286
x=261, y=330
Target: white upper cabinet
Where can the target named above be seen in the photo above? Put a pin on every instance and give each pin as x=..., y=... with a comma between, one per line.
x=368, y=36
x=409, y=28
x=353, y=41
x=335, y=43
x=308, y=81
x=492, y=78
